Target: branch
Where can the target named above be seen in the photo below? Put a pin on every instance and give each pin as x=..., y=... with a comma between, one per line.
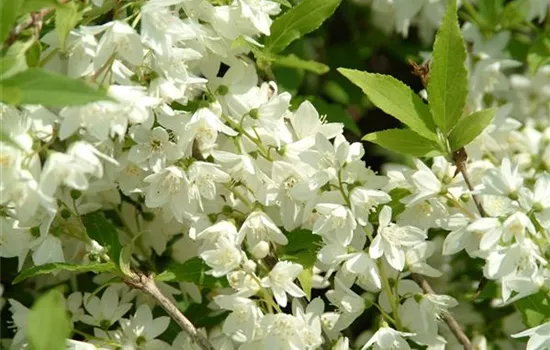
x=460, y=157
x=36, y=20
x=449, y=319
x=147, y=284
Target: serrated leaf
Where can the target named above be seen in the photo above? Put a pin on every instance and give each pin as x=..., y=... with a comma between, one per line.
x=8, y=14
x=37, y=86
x=396, y=99
x=303, y=18
x=534, y=309
x=404, y=141
x=104, y=232
x=67, y=17
x=470, y=127
x=539, y=53
x=293, y=61
x=47, y=324
x=52, y=267
x=192, y=271
x=448, y=85
x=302, y=248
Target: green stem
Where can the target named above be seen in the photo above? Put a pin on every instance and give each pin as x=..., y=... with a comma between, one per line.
x=394, y=302
x=261, y=148
x=341, y=187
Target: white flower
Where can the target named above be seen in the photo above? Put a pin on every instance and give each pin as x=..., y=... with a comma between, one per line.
x=349, y=304
x=364, y=201
x=258, y=12
x=141, y=329
x=258, y=227
x=222, y=229
x=388, y=338
x=14, y=241
x=225, y=258
x=169, y=187
x=203, y=127
x=19, y=316
x=120, y=39
x=280, y=280
x=153, y=148
x=505, y=181
x=72, y=168
x=335, y=223
x=243, y=320
x=363, y=266
x=105, y=311
x=307, y=124
x=392, y=240
x=416, y=259
x=539, y=337
x=426, y=183
x=203, y=178
x=460, y=237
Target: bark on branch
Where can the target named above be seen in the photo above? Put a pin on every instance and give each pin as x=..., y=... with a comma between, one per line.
x=449, y=319
x=147, y=284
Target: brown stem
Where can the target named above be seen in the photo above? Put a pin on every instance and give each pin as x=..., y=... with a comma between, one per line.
x=36, y=20
x=147, y=284
x=449, y=319
x=460, y=158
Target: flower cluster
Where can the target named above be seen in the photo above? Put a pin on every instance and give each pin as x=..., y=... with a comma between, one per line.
x=196, y=158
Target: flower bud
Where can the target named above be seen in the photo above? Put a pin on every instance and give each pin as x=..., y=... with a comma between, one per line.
x=260, y=250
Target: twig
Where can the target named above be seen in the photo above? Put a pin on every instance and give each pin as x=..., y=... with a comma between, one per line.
x=147, y=284
x=460, y=157
x=449, y=319
x=34, y=21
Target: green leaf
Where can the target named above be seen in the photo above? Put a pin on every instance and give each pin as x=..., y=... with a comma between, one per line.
x=534, y=309
x=47, y=324
x=470, y=127
x=514, y=14
x=306, y=281
x=396, y=99
x=336, y=113
x=404, y=141
x=32, y=55
x=67, y=17
x=104, y=232
x=193, y=271
x=397, y=194
x=14, y=61
x=448, y=84
x=304, y=18
x=293, y=61
x=35, y=5
x=8, y=15
x=37, y=86
x=283, y=2
x=539, y=52
x=302, y=248
x=124, y=261
x=52, y=267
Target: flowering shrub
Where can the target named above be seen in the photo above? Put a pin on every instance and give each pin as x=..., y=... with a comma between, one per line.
x=159, y=190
